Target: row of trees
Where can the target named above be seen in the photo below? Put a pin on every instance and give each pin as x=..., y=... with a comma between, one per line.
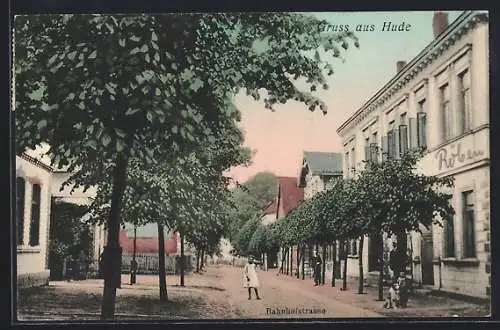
x=389, y=197
x=129, y=102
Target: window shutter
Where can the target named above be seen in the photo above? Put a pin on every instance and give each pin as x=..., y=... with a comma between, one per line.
x=413, y=134
x=422, y=129
x=385, y=147
x=395, y=142
x=367, y=153
x=34, y=239
x=374, y=152
x=403, y=139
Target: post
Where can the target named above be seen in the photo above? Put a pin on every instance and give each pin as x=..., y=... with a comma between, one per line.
x=181, y=234
x=303, y=261
x=298, y=262
x=323, y=273
x=133, y=265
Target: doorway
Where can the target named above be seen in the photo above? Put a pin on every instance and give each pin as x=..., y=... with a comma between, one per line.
x=427, y=254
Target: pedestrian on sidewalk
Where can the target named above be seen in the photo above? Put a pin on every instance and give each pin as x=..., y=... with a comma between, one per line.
x=396, y=261
x=317, y=268
x=250, y=278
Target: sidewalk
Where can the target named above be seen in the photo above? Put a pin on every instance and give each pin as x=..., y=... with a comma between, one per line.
x=421, y=304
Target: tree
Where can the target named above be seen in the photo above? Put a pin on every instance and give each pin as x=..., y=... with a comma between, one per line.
x=399, y=199
x=105, y=88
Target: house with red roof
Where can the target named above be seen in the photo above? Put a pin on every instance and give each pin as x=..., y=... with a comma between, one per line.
x=289, y=196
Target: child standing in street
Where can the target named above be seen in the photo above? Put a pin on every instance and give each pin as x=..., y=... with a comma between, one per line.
x=250, y=278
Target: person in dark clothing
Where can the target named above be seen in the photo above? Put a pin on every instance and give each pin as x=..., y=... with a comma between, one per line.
x=317, y=268
x=396, y=261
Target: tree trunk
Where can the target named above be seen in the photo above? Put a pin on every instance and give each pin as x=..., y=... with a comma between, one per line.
x=283, y=258
x=291, y=261
x=202, y=259
x=112, y=251
x=287, y=260
x=339, y=259
x=181, y=234
x=197, y=260
x=298, y=262
x=334, y=265
x=344, y=275
x=161, y=263
x=360, y=259
x=380, y=245
x=323, y=269
x=303, y=261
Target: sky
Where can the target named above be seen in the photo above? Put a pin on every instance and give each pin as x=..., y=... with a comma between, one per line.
x=281, y=137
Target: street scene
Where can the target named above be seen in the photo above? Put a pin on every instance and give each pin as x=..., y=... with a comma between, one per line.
x=251, y=166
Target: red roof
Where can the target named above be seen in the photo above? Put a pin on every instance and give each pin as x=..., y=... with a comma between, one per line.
x=147, y=244
x=290, y=195
x=270, y=208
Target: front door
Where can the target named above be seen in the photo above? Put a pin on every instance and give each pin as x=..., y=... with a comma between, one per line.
x=427, y=255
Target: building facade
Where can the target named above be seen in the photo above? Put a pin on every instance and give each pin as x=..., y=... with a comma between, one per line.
x=438, y=101
x=32, y=219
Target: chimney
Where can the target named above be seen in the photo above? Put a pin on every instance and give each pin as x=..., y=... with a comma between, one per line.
x=400, y=65
x=439, y=22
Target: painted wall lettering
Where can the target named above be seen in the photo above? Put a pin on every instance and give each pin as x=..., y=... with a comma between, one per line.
x=453, y=155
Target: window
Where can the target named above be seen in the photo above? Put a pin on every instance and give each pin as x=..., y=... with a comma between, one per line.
x=374, y=147
x=353, y=159
x=446, y=115
x=20, y=191
x=35, y=217
x=348, y=169
x=367, y=149
x=468, y=224
x=402, y=119
x=449, y=236
x=353, y=248
x=421, y=130
x=421, y=106
x=464, y=105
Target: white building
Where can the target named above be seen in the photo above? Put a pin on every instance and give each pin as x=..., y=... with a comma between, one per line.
x=319, y=172
x=32, y=218
x=440, y=101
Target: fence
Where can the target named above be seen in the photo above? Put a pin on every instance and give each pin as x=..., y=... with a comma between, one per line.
x=148, y=263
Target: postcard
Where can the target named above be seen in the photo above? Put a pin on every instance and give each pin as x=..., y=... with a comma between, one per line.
x=242, y=165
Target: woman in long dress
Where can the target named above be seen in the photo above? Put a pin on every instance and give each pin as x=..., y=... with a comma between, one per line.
x=250, y=279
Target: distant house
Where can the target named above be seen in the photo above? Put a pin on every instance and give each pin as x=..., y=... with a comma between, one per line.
x=147, y=253
x=268, y=213
x=32, y=223
x=319, y=172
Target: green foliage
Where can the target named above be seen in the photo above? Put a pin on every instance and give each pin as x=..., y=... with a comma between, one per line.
x=399, y=197
x=391, y=197
x=257, y=243
x=250, y=198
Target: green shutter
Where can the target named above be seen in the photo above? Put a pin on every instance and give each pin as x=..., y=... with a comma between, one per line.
x=422, y=129
x=413, y=134
x=396, y=143
x=403, y=139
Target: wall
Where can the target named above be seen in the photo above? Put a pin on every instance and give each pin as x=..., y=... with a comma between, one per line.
x=314, y=184
x=33, y=259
